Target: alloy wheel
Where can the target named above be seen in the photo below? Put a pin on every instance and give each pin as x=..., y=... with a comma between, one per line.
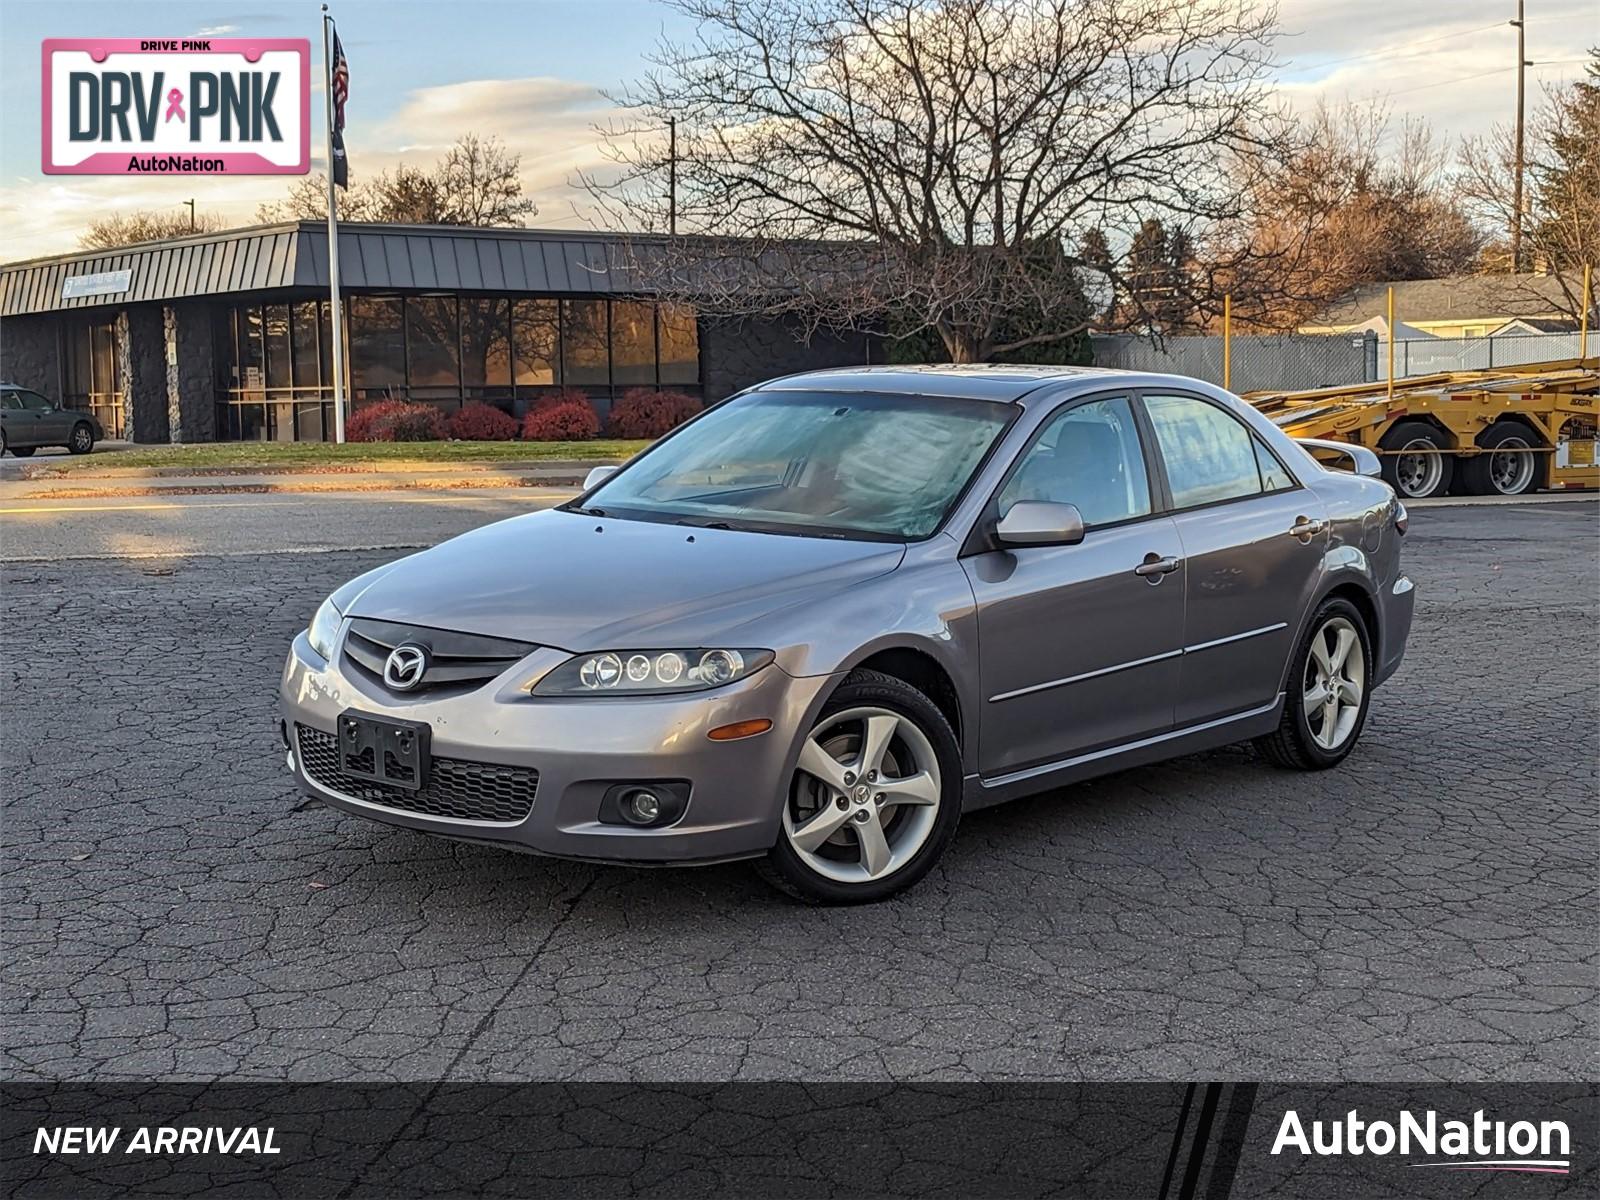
x=865, y=795
x=1335, y=683
x=82, y=439
x=1417, y=471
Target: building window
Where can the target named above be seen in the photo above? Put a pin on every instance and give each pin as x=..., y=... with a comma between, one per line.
x=92, y=380
x=536, y=343
x=633, y=344
x=680, y=345
x=377, y=344
x=584, y=362
x=307, y=372
x=485, y=343
x=433, y=340
x=275, y=322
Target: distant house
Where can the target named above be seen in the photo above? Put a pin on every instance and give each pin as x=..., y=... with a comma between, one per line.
x=1455, y=307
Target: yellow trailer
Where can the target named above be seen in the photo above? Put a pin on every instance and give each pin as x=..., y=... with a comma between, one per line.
x=1504, y=431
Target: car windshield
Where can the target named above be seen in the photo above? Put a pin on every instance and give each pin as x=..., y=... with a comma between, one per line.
x=860, y=465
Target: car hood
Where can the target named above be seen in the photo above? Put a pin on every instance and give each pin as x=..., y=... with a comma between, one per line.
x=587, y=583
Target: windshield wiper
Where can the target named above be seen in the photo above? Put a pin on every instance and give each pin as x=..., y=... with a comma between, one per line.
x=587, y=512
x=703, y=523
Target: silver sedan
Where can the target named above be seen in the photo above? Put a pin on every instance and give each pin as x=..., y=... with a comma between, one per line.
x=820, y=621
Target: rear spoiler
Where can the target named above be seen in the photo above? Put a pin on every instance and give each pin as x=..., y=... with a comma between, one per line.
x=1362, y=460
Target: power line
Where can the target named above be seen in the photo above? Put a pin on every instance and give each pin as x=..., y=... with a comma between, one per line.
x=1394, y=50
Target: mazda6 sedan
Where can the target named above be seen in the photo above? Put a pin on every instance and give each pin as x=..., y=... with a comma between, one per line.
x=817, y=623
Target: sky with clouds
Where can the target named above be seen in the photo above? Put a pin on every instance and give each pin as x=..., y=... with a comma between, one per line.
x=535, y=73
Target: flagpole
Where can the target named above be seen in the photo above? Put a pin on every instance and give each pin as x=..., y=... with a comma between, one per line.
x=336, y=321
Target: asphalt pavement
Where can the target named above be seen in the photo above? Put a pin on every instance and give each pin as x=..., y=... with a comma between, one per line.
x=173, y=909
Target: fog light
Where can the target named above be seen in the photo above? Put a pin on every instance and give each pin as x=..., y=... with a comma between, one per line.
x=641, y=806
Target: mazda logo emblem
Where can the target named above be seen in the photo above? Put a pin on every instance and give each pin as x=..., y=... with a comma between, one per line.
x=405, y=666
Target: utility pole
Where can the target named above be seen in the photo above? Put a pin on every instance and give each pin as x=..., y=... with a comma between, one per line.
x=190, y=203
x=672, y=176
x=1516, y=186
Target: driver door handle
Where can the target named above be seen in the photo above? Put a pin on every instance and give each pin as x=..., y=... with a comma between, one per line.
x=1306, y=527
x=1153, y=567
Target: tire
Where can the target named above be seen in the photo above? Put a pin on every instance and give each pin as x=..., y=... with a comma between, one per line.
x=916, y=748
x=23, y=451
x=1417, y=476
x=1299, y=742
x=82, y=438
x=1504, y=474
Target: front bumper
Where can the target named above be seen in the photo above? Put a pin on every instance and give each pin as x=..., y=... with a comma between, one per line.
x=580, y=748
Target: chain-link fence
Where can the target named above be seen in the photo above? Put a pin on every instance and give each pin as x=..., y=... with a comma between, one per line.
x=1296, y=362
x=1289, y=362
x=1425, y=356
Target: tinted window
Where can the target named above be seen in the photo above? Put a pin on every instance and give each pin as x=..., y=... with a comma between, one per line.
x=10, y=401
x=1088, y=456
x=1274, y=477
x=34, y=401
x=1208, y=454
x=835, y=463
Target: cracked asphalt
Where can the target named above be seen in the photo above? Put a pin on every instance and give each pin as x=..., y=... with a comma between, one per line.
x=172, y=910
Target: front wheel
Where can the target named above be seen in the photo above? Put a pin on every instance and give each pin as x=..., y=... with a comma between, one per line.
x=82, y=440
x=1330, y=688
x=875, y=797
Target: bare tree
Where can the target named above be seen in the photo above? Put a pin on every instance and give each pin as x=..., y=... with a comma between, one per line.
x=1358, y=202
x=123, y=229
x=1561, y=226
x=844, y=158
x=477, y=182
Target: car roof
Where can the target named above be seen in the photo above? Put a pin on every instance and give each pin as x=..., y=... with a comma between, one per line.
x=1011, y=383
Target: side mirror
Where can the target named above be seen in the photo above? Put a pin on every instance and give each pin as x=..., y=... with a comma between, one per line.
x=1362, y=460
x=597, y=475
x=1040, y=523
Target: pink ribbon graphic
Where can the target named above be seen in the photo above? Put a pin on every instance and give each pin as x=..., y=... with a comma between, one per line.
x=175, y=105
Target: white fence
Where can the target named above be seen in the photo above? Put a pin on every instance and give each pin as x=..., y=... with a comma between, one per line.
x=1295, y=362
x=1426, y=356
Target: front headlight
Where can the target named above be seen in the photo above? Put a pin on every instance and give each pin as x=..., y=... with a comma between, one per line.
x=324, y=629
x=650, y=672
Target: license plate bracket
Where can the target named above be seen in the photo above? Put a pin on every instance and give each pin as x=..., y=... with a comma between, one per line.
x=386, y=751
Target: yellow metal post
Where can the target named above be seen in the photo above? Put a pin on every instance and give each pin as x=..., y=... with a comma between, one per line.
x=1227, y=338
x=1583, y=320
x=1391, y=343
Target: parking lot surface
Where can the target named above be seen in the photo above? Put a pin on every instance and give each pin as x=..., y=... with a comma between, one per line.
x=173, y=909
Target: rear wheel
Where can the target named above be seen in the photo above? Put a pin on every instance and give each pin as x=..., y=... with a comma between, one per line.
x=875, y=797
x=1330, y=689
x=82, y=440
x=1419, y=464
x=1509, y=464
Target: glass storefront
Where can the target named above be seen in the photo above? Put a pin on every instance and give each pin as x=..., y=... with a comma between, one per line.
x=275, y=371
x=93, y=380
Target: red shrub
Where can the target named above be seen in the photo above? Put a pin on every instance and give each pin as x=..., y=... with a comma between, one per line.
x=645, y=413
x=560, y=419
x=395, y=421
x=481, y=423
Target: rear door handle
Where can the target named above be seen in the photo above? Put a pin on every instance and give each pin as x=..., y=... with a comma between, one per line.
x=1154, y=567
x=1306, y=527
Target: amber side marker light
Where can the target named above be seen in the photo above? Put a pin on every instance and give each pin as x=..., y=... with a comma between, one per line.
x=739, y=729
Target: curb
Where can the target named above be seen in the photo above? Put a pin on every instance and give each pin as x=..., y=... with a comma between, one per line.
x=565, y=484
x=559, y=468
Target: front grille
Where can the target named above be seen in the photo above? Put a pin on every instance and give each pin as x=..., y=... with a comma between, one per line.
x=455, y=660
x=456, y=788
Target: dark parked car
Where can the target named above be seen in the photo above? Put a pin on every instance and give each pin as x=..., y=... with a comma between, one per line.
x=29, y=420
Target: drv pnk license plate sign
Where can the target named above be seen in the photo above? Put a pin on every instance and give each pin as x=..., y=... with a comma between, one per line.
x=195, y=106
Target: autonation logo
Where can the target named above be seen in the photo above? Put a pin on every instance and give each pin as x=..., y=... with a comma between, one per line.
x=1476, y=1145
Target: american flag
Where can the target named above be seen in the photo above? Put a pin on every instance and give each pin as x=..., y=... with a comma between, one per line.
x=341, y=93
